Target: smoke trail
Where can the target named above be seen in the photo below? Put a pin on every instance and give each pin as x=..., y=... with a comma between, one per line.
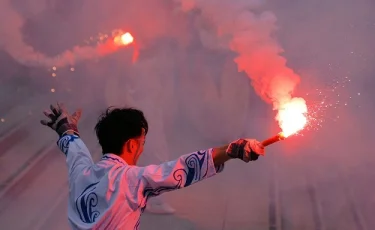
x=239, y=25
x=11, y=40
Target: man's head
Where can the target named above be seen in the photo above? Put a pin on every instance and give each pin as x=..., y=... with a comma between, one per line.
x=122, y=131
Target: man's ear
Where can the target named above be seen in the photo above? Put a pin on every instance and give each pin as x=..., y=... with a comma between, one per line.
x=127, y=146
x=132, y=145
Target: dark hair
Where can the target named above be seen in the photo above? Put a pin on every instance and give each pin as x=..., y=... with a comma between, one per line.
x=117, y=125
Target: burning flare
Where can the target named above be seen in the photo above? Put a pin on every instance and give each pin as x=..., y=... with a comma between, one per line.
x=292, y=116
x=119, y=39
x=123, y=39
x=292, y=119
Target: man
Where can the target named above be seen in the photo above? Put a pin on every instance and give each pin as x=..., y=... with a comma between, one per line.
x=113, y=193
x=127, y=86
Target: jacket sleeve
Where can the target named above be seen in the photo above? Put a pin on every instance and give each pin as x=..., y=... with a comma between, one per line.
x=183, y=172
x=78, y=157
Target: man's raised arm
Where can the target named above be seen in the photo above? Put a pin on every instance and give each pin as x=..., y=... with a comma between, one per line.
x=78, y=157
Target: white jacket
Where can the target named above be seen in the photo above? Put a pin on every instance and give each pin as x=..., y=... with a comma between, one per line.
x=111, y=194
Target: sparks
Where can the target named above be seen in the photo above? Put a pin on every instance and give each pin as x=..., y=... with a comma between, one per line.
x=325, y=101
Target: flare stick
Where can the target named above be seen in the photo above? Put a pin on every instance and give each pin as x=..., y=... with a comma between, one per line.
x=277, y=138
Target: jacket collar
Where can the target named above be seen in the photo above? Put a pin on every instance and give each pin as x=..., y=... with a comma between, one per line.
x=114, y=157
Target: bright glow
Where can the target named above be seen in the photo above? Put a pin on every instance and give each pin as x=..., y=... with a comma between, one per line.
x=124, y=39
x=292, y=116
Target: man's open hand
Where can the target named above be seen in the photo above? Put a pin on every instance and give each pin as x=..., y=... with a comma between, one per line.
x=60, y=120
x=245, y=149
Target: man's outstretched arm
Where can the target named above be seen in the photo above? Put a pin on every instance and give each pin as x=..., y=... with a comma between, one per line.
x=191, y=168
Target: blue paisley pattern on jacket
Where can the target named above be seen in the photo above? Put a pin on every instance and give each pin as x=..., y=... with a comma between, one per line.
x=86, y=203
x=192, y=174
x=64, y=142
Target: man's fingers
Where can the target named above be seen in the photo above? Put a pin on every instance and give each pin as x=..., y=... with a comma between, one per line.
x=55, y=110
x=47, y=123
x=62, y=107
x=254, y=156
x=49, y=115
x=256, y=147
x=44, y=122
x=77, y=114
x=259, y=149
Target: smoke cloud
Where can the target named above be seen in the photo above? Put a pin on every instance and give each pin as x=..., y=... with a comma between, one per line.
x=203, y=74
x=237, y=25
x=12, y=39
x=248, y=31
x=251, y=35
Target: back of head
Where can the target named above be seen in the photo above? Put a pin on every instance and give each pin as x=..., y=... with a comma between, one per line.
x=117, y=125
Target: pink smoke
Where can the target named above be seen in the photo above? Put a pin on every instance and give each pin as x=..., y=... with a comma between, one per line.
x=243, y=28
